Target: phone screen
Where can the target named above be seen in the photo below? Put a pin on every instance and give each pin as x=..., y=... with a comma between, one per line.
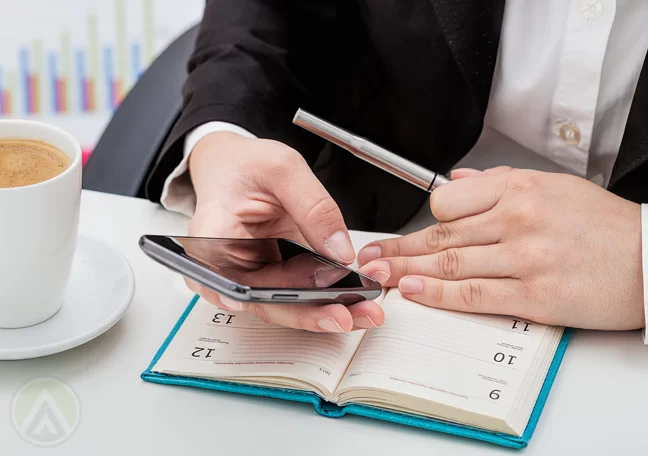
x=265, y=263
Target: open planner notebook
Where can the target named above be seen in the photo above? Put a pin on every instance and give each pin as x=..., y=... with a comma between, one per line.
x=479, y=376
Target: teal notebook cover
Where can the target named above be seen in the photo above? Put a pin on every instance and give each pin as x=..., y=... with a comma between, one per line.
x=332, y=410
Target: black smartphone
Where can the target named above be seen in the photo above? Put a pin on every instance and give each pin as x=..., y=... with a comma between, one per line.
x=270, y=270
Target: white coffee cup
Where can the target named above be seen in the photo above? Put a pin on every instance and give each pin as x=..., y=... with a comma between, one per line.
x=38, y=232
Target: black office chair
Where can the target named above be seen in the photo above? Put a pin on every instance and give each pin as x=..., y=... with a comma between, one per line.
x=128, y=148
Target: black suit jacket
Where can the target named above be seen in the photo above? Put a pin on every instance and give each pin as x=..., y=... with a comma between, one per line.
x=411, y=75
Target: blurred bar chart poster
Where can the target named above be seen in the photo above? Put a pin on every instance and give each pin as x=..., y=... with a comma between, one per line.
x=71, y=62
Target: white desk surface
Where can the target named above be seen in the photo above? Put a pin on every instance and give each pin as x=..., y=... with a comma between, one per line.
x=598, y=405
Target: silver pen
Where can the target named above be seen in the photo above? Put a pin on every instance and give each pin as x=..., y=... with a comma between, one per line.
x=382, y=158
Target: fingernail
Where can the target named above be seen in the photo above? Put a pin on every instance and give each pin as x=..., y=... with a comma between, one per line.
x=380, y=276
x=464, y=171
x=339, y=245
x=330, y=325
x=369, y=254
x=326, y=277
x=364, y=321
x=231, y=304
x=410, y=285
x=382, y=273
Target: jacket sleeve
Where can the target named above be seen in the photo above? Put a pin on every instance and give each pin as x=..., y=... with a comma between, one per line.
x=255, y=62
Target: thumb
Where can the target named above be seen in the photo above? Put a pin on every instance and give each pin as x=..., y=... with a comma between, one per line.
x=469, y=172
x=314, y=211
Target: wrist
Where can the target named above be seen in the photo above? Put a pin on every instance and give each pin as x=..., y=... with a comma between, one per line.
x=207, y=147
x=209, y=154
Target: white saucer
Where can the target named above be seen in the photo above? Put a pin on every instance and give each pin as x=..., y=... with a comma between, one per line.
x=100, y=290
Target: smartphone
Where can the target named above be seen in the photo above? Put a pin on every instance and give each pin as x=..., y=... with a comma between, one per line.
x=269, y=270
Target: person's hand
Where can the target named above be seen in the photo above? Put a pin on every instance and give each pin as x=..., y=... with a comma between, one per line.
x=549, y=248
x=255, y=188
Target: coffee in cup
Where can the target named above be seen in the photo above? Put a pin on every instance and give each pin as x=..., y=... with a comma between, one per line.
x=40, y=193
x=27, y=162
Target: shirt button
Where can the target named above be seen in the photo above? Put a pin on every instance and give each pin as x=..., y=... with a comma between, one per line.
x=591, y=9
x=570, y=134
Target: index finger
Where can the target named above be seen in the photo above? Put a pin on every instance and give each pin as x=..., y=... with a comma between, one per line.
x=482, y=229
x=468, y=196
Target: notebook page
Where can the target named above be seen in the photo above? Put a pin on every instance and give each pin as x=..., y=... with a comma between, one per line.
x=216, y=343
x=472, y=362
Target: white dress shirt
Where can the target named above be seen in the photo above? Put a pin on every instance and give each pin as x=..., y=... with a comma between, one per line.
x=565, y=78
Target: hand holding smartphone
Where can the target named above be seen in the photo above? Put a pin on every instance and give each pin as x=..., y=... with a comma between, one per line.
x=272, y=270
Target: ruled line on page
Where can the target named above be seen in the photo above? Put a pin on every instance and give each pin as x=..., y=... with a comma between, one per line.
x=390, y=375
x=441, y=349
x=279, y=345
x=233, y=362
x=289, y=351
